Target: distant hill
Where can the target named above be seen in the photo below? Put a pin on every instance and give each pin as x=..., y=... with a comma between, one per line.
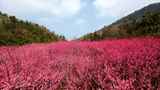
x=143, y=22
x=16, y=32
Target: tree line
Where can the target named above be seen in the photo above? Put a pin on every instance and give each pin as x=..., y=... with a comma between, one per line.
x=14, y=31
x=147, y=25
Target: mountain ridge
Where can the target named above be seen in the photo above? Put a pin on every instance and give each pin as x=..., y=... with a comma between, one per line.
x=131, y=21
x=17, y=32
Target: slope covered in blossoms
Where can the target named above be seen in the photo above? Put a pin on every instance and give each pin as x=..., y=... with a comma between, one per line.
x=123, y=64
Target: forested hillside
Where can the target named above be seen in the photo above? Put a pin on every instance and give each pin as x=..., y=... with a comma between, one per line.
x=144, y=22
x=16, y=32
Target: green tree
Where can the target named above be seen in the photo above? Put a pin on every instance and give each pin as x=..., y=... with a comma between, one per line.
x=13, y=19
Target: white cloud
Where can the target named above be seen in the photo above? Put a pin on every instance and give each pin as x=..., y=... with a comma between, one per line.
x=152, y=1
x=119, y=8
x=58, y=8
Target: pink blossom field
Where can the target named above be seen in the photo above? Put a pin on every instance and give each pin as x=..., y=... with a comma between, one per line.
x=122, y=64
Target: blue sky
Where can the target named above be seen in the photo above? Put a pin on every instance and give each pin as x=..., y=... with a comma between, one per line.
x=72, y=18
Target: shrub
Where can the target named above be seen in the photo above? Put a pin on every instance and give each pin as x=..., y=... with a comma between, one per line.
x=124, y=64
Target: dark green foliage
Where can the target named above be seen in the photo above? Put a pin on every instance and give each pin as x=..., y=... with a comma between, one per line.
x=17, y=32
x=143, y=22
x=148, y=25
x=92, y=37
